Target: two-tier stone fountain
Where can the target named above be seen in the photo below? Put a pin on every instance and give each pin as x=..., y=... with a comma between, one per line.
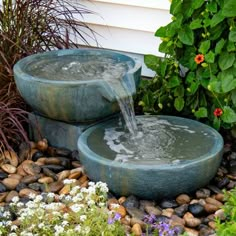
x=148, y=156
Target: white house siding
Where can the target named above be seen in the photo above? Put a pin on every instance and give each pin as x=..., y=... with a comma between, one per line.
x=128, y=25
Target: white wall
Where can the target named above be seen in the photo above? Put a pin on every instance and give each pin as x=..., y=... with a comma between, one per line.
x=128, y=25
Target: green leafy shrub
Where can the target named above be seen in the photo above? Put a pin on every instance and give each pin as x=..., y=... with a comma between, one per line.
x=197, y=75
x=228, y=227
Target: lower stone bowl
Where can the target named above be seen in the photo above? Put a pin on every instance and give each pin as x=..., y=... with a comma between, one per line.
x=71, y=85
x=154, y=179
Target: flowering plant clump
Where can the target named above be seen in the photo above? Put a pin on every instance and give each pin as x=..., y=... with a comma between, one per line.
x=197, y=76
x=160, y=228
x=81, y=212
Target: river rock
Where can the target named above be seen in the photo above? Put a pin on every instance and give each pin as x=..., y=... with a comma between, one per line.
x=31, y=168
x=15, y=176
x=37, y=187
x=214, y=202
x=121, y=200
x=183, y=199
x=220, y=197
x=75, y=175
x=27, y=192
x=131, y=202
x=203, y=193
x=220, y=214
x=55, y=186
x=176, y=220
x=20, y=186
x=83, y=179
x=11, y=195
x=191, y=232
x=54, y=168
x=28, y=179
x=11, y=157
x=196, y=209
x=3, y=196
x=52, y=161
x=46, y=180
x=3, y=175
x=167, y=212
x=8, y=168
x=10, y=183
x=144, y=203
x=63, y=175
x=210, y=208
x=214, y=189
x=135, y=212
x=37, y=155
x=168, y=204
x=136, y=230
x=49, y=173
x=151, y=210
x=181, y=210
x=206, y=231
x=223, y=182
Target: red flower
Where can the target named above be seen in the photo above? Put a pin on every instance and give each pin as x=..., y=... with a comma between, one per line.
x=218, y=112
x=199, y=58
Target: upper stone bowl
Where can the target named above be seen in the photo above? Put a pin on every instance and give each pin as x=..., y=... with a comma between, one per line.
x=71, y=85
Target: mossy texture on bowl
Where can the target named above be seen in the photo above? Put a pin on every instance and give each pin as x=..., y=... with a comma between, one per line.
x=71, y=100
x=150, y=181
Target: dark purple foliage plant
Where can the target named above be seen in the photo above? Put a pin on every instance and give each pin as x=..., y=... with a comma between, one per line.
x=28, y=27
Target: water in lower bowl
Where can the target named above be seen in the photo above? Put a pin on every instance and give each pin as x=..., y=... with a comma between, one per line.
x=158, y=141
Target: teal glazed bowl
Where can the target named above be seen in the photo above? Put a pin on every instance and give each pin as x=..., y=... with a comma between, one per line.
x=76, y=100
x=151, y=181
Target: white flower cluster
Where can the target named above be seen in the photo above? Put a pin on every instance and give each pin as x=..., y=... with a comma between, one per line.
x=52, y=213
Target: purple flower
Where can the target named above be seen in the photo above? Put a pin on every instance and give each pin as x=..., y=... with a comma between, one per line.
x=116, y=217
x=150, y=219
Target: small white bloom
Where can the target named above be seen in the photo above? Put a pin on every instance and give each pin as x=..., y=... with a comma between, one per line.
x=41, y=225
x=83, y=218
x=32, y=195
x=86, y=230
x=58, y=229
x=69, y=181
x=14, y=227
x=38, y=198
x=115, y=206
x=91, y=202
x=78, y=228
x=64, y=223
x=66, y=216
x=15, y=199
x=12, y=234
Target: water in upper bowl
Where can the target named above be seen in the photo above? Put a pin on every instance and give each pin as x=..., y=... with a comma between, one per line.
x=167, y=140
x=77, y=67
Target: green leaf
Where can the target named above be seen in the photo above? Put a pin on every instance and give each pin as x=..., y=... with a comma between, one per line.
x=215, y=84
x=161, y=32
x=232, y=35
x=229, y=115
x=152, y=61
x=173, y=82
x=217, y=18
x=212, y=7
x=196, y=24
x=220, y=44
x=233, y=97
x=229, y=8
x=216, y=123
x=210, y=57
x=163, y=65
x=186, y=35
x=226, y=60
x=179, y=91
x=204, y=46
x=231, y=46
x=193, y=87
x=190, y=77
x=197, y=4
x=179, y=103
x=175, y=7
x=228, y=82
x=201, y=112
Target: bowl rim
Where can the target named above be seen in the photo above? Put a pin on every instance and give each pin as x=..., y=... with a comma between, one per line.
x=217, y=149
x=17, y=69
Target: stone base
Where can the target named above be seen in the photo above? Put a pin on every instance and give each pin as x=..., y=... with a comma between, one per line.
x=58, y=133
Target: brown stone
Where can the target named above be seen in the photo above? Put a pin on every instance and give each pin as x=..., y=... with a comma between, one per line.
x=65, y=190
x=28, y=179
x=121, y=210
x=121, y=200
x=124, y=221
x=31, y=168
x=210, y=208
x=183, y=199
x=45, y=180
x=20, y=170
x=220, y=214
x=75, y=164
x=168, y=212
x=26, y=192
x=213, y=202
x=136, y=230
x=75, y=175
x=41, y=160
x=84, y=184
x=82, y=179
x=11, y=195
x=192, y=222
x=3, y=196
x=11, y=183
x=151, y=210
x=11, y=157
x=112, y=201
x=42, y=145
x=176, y=220
x=77, y=169
x=212, y=224
x=52, y=161
x=15, y=176
x=191, y=232
x=55, y=186
x=63, y=175
x=8, y=168
x=220, y=197
x=135, y=220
